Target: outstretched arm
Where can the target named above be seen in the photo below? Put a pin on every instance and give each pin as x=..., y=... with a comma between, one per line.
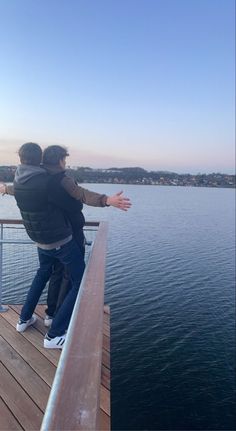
x=94, y=199
x=6, y=189
x=119, y=201
x=79, y=193
x=2, y=188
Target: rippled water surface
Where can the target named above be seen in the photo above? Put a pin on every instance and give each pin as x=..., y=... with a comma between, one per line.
x=170, y=283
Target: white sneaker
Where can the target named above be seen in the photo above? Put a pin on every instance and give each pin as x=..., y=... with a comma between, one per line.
x=54, y=343
x=48, y=321
x=22, y=326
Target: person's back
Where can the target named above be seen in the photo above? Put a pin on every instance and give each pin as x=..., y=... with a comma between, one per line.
x=45, y=223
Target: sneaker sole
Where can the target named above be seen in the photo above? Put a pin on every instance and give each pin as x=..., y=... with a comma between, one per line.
x=51, y=345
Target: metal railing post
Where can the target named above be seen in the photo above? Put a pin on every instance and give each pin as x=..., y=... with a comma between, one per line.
x=2, y=307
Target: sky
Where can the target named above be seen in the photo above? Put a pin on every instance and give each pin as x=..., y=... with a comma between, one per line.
x=147, y=83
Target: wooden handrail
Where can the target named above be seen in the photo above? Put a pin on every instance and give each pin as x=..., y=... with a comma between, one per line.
x=74, y=402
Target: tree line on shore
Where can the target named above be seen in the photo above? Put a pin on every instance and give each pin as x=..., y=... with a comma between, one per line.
x=136, y=175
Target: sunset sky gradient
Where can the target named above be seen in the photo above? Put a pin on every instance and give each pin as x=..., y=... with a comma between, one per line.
x=146, y=83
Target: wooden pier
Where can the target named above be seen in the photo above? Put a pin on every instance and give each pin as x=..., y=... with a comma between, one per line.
x=46, y=389
x=27, y=371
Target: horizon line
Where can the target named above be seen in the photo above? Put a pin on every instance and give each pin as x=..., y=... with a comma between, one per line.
x=137, y=167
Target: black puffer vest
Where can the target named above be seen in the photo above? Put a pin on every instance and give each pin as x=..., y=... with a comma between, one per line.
x=44, y=222
x=71, y=207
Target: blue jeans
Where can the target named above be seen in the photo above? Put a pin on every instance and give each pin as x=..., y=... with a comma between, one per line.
x=70, y=255
x=60, y=283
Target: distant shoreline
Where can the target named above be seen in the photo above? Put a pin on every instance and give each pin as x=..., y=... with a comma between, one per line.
x=154, y=185
x=137, y=176
x=163, y=185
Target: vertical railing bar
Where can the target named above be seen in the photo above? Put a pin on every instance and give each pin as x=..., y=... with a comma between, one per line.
x=2, y=307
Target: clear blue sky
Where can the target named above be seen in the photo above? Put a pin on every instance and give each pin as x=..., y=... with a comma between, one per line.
x=145, y=83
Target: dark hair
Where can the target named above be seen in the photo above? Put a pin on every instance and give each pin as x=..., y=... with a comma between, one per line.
x=30, y=154
x=53, y=154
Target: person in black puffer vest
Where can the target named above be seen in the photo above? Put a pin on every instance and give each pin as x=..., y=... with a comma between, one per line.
x=47, y=225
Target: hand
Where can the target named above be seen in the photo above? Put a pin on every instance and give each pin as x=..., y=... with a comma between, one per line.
x=3, y=188
x=119, y=201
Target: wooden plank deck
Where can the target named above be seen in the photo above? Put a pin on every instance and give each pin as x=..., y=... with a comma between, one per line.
x=27, y=372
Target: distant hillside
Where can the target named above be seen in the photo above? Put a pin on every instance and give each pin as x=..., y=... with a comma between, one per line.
x=137, y=175
x=141, y=176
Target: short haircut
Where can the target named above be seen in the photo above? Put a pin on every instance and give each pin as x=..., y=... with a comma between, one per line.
x=54, y=154
x=30, y=154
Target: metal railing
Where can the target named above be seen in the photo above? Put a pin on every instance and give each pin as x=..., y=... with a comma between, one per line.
x=5, y=224
x=22, y=263
x=74, y=401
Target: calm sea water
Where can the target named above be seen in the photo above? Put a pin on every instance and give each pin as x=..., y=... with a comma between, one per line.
x=170, y=283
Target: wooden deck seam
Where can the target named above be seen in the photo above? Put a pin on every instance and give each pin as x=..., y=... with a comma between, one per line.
x=41, y=353
x=11, y=412
x=28, y=364
x=18, y=349
x=13, y=308
x=25, y=359
x=107, y=350
x=19, y=401
x=22, y=387
x=44, y=354
x=39, y=318
x=108, y=369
